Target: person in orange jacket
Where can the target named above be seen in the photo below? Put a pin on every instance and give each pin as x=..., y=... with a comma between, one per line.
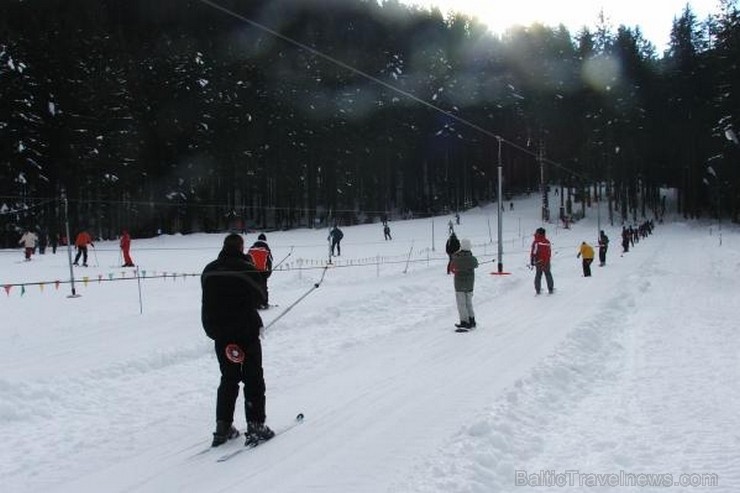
x=261, y=256
x=126, y=249
x=83, y=239
x=586, y=252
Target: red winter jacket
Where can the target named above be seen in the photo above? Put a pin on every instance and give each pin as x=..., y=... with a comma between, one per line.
x=125, y=241
x=541, y=251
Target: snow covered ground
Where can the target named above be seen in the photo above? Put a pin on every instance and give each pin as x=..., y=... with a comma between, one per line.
x=626, y=378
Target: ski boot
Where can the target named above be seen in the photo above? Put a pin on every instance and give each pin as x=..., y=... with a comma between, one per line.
x=225, y=431
x=257, y=433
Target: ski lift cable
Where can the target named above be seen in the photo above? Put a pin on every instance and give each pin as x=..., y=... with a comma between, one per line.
x=361, y=73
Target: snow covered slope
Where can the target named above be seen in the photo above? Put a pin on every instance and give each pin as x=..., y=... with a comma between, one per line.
x=630, y=375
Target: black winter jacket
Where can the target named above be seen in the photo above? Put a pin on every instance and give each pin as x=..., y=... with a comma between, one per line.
x=231, y=295
x=452, y=245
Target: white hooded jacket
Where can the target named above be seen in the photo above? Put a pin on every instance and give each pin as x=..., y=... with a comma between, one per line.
x=29, y=239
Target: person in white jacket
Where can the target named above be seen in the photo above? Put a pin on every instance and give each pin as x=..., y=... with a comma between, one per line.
x=29, y=240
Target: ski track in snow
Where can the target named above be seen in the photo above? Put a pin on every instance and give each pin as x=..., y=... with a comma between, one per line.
x=394, y=399
x=604, y=393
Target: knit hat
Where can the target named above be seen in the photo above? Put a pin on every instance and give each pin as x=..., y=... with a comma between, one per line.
x=262, y=237
x=233, y=244
x=465, y=244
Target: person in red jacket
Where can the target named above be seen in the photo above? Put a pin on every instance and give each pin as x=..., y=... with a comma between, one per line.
x=126, y=249
x=83, y=239
x=262, y=259
x=540, y=260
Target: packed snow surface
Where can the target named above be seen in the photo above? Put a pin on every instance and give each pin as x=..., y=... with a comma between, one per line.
x=624, y=381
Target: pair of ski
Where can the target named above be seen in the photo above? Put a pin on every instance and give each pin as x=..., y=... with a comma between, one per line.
x=252, y=445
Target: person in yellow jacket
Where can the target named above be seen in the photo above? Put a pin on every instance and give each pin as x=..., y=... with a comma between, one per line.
x=587, y=253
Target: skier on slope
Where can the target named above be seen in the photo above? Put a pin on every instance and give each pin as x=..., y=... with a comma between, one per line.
x=586, y=253
x=81, y=242
x=125, y=245
x=603, y=247
x=28, y=240
x=231, y=294
x=262, y=260
x=540, y=259
x=335, y=236
x=463, y=265
x=625, y=240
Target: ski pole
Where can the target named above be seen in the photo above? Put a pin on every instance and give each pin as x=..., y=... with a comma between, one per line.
x=95, y=254
x=283, y=260
x=315, y=286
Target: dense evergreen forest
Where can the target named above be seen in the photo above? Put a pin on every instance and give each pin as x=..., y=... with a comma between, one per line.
x=188, y=115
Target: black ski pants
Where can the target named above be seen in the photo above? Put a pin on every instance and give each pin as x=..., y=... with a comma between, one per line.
x=81, y=251
x=602, y=255
x=587, y=267
x=250, y=373
x=543, y=269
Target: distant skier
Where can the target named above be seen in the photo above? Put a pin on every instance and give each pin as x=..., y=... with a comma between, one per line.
x=451, y=247
x=81, y=242
x=603, y=247
x=463, y=266
x=125, y=245
x=262, y=260
x=43, y=241
x=28, y=240
x=231, y=293
x=586, y=253
x=626, y=235
x=54, y=241
x=540, y=259
x=387, y=231
x=335, y=236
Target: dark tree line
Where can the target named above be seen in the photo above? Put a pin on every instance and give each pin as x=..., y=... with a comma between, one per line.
x=173, y=115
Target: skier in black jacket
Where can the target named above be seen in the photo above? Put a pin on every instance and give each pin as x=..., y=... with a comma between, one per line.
x=231, y=294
